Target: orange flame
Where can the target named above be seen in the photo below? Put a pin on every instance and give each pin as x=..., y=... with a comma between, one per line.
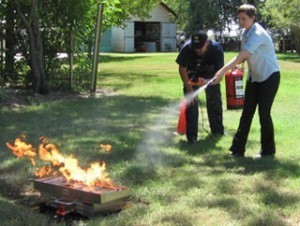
x=106, y=147
x=21, y=149
x=68, y=167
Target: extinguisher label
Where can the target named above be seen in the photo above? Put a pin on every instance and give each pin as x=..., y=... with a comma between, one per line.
x=239, y=89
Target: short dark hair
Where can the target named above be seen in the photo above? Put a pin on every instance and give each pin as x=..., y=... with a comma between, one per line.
x=198, y=39
x=250, y=10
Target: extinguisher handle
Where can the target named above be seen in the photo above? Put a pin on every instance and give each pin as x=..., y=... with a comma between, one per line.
x=198, y=83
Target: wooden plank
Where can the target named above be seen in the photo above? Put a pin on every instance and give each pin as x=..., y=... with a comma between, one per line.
x=58, y=188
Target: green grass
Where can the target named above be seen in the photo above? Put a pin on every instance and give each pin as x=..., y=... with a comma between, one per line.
x=171, y=183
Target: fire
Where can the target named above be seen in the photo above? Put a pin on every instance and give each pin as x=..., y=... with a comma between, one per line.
x=21, y=149
x=68, y=167
x=106, y=147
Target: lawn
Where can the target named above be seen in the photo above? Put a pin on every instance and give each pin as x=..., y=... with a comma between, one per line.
x=171, y=183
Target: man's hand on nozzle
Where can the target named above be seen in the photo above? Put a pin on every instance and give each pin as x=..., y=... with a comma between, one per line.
x=200, y=82
x=203, y=81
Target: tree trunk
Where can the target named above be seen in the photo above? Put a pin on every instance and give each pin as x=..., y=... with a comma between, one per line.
x=71, y=56
x=9, y=39
x=35, y=46
x=296, y=38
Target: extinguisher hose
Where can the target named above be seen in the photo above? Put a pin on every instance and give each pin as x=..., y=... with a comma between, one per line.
x=201, y=107
x=202, y=117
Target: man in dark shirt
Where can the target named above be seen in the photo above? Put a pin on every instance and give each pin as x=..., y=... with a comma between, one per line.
x=201, y=58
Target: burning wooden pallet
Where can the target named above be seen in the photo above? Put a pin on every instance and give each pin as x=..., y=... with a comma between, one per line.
x=76, y=197
x=77, y=190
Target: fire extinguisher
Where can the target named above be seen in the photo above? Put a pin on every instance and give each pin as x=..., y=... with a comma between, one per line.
x=181, y=126
x=234, y=88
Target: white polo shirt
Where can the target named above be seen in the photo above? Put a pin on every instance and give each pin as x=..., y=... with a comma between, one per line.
x=263, y=61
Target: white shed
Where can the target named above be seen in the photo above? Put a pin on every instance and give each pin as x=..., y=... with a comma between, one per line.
x=155, y=34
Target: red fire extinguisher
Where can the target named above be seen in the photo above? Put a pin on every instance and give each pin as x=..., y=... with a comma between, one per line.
x=234, y=88
x=181, y=126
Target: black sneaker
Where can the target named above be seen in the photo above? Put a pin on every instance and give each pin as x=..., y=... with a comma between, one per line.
x=264, y=156
x=237, y=155
x=192, y=140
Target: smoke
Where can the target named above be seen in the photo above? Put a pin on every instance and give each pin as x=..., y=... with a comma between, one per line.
x=151, y=152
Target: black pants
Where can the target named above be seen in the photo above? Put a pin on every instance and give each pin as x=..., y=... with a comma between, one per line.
x=214, y=111
x=259, y=94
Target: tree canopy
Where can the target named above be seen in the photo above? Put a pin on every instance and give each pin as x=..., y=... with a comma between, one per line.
x=40, y=29
x=279, y=16
x=284, y=16
x=216, y=15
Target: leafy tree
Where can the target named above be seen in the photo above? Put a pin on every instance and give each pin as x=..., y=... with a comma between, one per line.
x=31, y=23
x=181, y=8
x=7, y=25
x=59, y=25
x=285, y=16
x=10, y=37
x=216, y=15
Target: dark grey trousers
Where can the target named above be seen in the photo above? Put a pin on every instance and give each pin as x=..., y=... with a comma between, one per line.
x=214, y=111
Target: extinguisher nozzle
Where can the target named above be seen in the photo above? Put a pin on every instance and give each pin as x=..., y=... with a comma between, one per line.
x=210, y=81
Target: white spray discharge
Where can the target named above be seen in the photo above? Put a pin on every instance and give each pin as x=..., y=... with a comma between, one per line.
x=151, y=152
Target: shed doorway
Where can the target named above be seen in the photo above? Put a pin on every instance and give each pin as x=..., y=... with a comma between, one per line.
x=147, y=36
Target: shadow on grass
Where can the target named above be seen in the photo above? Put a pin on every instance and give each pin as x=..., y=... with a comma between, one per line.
x=121, y=83
x=108, y=58
x=273, y=168
x=292, y=57
x=177, y=218
x=78, y=127
x=201, y=146
x=13, y=215
x=270, y=188
x=121, y=58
